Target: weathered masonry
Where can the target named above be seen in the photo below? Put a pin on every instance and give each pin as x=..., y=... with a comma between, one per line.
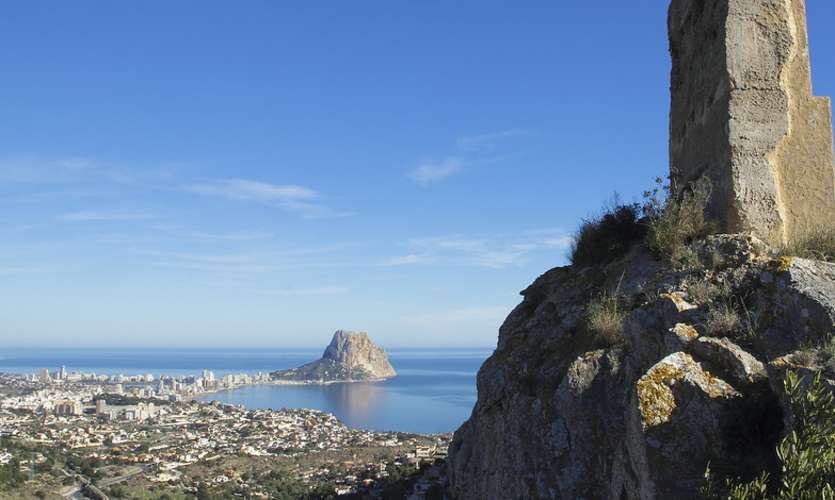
x=743, y=114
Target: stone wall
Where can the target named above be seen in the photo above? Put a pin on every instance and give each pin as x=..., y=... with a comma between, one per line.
x=743, y=113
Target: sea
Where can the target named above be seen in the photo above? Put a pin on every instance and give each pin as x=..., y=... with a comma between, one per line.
x=434, y=390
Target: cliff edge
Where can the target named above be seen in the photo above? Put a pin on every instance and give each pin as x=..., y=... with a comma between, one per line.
x=693, y=375
x=350, y=357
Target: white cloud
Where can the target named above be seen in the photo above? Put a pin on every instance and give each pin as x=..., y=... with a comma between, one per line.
x=245, y=236
x=18, y=270
x=411, y=259
x=451, y=243
x=39, y=170
x=327, y=290
x=290, y=197
x=486, y=141
x=93, y=215
x=495, y=251
x=430, y=171
x=240, y=189
x=447, y=321
x=470, y=151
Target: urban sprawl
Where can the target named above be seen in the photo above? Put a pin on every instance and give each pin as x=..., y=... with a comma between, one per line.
x=80, y=435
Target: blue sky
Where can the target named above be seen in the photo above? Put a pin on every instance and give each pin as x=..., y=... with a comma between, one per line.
x=263, y=173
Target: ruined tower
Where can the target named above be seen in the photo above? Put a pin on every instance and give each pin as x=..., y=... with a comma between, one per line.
x=743, y=113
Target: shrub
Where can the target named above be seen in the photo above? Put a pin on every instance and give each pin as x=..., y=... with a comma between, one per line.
x=826, y=355
x=605, y=236
x=807, y=453
x=605, y=319
x=676, y=221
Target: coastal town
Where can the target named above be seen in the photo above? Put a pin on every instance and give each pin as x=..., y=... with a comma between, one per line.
x=79, y=435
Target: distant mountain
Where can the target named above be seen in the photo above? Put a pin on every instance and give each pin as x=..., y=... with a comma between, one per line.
x=350, y=357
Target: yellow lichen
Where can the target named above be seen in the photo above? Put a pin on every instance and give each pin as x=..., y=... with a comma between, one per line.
x=655, y=396
x=780, y=264
x=686, y=331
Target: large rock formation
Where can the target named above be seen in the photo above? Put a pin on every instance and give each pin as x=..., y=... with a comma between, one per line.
x=350, y=357
x=693, y=378
x=743, y=114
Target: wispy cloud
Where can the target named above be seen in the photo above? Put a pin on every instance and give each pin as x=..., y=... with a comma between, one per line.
x=447, y=321
x=430, y=171
x=39, y=170
x=290, y=197
x=470, y=151
x=411, y=259
x=240, y=189
x=495, y=251
x=327, y=290
x=21, y=270
x=94, y=215
x=486, y=141
x=243, y=236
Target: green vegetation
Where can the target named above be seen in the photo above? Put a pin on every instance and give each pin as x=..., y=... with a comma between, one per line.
x=674, y=222
x=807, y=454
x=607, y=235
x=666, y=223
x=10, y=475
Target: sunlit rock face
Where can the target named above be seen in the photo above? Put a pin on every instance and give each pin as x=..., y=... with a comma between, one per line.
x=350, y=357
x=563, y=415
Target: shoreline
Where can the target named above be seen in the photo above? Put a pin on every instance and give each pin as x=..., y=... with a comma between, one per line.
x=279, y=382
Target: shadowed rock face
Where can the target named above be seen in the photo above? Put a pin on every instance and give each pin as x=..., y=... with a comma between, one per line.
x=350, y=357
x=562, y=416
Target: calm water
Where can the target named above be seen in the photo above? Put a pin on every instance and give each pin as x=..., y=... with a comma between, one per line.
x=434, y=390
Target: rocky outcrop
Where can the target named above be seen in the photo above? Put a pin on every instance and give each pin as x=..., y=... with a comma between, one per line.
x=350, y=357
x=561, y=416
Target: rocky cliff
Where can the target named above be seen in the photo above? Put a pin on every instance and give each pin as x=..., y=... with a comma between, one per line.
x=350, y=357
x=692, y=376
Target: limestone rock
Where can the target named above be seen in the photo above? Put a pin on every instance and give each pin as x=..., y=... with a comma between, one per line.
x=560, y=416
x=743, y=114
x=350, y=357
x=730, y=359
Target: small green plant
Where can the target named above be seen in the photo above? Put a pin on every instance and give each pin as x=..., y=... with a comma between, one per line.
x=814, y=243
x=607, y=235
x=826, y=356
x=806, y=454
x=722, y=320
x=605, y=319
x=675, y=221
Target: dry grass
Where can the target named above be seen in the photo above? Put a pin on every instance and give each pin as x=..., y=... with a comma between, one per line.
x=703, y=292
x=722, y=320
x=814, y=243
x=605, y=320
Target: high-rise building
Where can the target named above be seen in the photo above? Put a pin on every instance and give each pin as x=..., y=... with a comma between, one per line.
x=44, y=375
x=63, y=372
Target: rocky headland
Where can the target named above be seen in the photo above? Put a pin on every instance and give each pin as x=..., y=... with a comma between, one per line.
x=350, y=357
x=623, y=378
x=561, y=416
